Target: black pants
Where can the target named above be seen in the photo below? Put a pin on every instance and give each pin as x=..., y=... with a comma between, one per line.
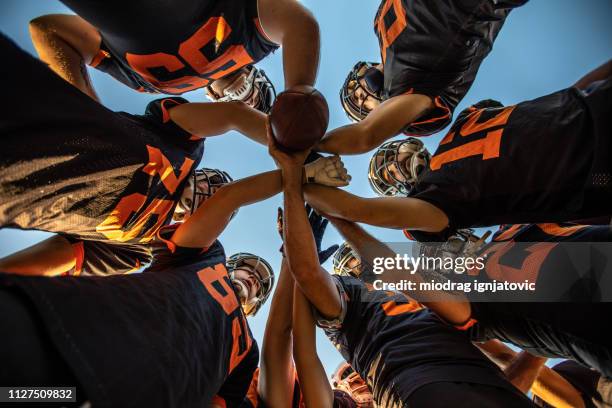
x=466, y=395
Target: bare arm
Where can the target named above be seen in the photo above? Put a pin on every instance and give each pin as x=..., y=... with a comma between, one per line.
x=315, y=283
x=50, y=257
x=548, y=385
x=210, y=219
x=217, y=118
x=276, y=375
x=289, y=23
x=384, y=122
x=387, y=212
x=452, y=307
x=602, y=72
x=523, y=370
x=67, y=43
x=314, y=384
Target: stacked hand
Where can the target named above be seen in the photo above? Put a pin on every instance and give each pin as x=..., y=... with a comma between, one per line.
x=329, y=171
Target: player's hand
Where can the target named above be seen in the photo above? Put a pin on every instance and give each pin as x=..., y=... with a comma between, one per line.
x=284, y=160
x=328, y=171
x=318, y=225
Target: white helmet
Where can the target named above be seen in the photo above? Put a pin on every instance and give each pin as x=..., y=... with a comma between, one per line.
x=396, y=165
x=262, y=271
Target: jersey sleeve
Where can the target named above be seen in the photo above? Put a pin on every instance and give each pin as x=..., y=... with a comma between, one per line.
x=101, y=258
x=166, y=254
x=234, y=390
x=158, y=114
x=349, y=300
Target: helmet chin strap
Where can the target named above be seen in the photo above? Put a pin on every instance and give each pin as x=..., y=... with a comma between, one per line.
x=243, y=293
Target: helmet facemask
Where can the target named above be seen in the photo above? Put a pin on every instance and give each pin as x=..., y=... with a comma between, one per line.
x=348, y=380
x=249, y=85
x=464, y=243
x=396, y=166
x=346, y=262
x=260, y=270
x=367, y=79
x=203, y=183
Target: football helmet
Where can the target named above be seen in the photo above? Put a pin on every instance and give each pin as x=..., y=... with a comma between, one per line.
x=250, y=85
x=262, y=271
x=370, y=80
x=463, y=243
x=396, y=165
x=202, y=185
x=347, y=380
x=346, y=262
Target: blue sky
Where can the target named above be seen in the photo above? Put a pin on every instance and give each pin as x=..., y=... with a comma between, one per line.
x=544, y=46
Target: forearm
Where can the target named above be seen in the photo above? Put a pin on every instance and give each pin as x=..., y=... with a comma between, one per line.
x=50, y=257
x=348, y=139
x=313, y=380
x=276, y=375
x=301, y=251
x=217, y=118
x=52, y=35
x=365, y=245
x=386, y=212
x=210, y=219
x=523, y=371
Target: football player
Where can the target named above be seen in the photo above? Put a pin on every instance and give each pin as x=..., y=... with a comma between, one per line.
x=277, y=382
x=175, y=47
x=174, y=335
x=431, y=52
x=545, y=160
x=104, y=181
x=407, y=355
x=570, y=281
x=565, y=385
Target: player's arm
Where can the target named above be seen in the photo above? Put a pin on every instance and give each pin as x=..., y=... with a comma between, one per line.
x=315, y=387
x=217, y=118
x=547, y=384
x=50, y=257
x=385, y=121
x=276, y=373
x=208, y=222
x=602, y=72
x=67, y=43
x=452, y=307
x=210, y=219
x=387, y=212
x=289, y=23
x=300, y=247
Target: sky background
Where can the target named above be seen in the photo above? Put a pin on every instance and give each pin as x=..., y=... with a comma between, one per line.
x=543, y=47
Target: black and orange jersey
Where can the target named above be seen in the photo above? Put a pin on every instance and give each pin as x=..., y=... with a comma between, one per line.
x=544, y=160
x=435, y=48
x=538, y=254
x=569, y=265
x=398, y=346
x=171, y=336
x=171, y=46
x=71, y=166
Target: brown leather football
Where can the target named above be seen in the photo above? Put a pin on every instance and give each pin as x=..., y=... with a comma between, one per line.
x=299, y=118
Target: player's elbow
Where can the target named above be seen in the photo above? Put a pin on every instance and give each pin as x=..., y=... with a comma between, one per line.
x=305, y=274
x=40, y=25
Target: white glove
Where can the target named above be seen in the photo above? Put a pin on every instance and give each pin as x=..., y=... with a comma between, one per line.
x=328, y=171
